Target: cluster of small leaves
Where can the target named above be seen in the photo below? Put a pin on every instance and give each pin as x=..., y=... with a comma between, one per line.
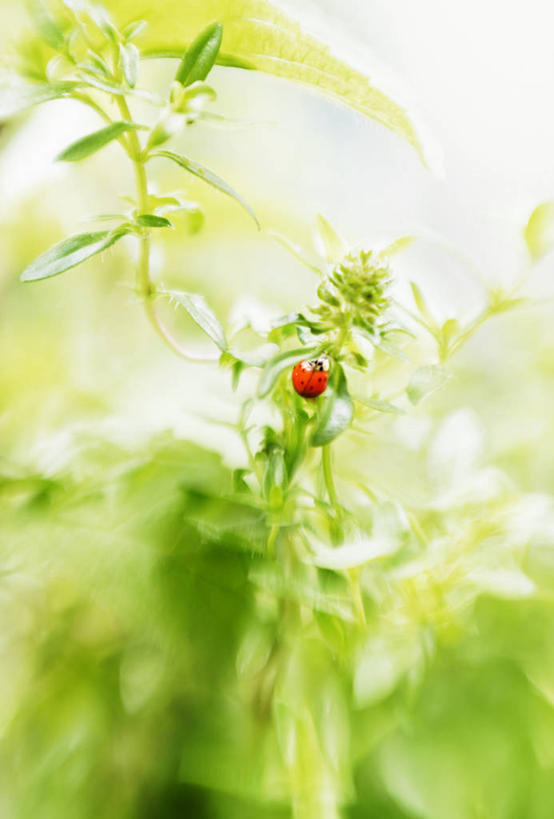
x=355, y=294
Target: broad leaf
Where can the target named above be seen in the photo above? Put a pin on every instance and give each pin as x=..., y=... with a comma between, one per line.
x=151, y=220
x=539, y=230
x=207, y=176
x=276, y=365
x=69, y=253
x=260, y=35
x=93, y=142
x=424, y=381
x=200, y=56
x=202, y=314
x=336, y=412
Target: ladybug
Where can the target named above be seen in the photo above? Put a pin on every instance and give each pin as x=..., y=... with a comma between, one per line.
x=309, y=378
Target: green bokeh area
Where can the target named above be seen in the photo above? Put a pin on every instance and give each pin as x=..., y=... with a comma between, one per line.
x=157, y=659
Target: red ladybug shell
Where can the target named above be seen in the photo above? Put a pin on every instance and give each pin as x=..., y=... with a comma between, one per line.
x=309, y=378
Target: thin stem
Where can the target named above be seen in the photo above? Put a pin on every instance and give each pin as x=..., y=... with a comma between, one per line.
x=92, y=104
x=145, y=287
x=328, y=477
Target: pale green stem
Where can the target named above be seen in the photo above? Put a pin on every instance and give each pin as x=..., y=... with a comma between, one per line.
x=328, y=477
x=144, y=282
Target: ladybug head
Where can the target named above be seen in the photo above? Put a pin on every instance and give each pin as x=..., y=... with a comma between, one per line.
x=320, y=364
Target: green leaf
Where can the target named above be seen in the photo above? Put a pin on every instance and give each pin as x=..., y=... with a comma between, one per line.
x=276, y=365
x=424, y=381
x=207, y=176
x=336, y=411
x=93, y=142
x=333, y=245
x=133, y=30
x=449, y=330
x=539, y=230
x=69, y=253
x=129, y=57
x=200, y=56
x=152, y=221
x=381, y=406
x=261, y=36
x=16, y=95
x=47, y=28
x=397, y=246
x=202, y=314
x=422, y=305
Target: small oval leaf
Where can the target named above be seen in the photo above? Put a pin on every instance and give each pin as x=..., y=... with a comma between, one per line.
x=93, y=142
x=200, y=56
x=207, y=176
x=202, y=314
x=276, y=365
x=69, y=253
x=336, y=411
x=539, y=230
x=153, y=221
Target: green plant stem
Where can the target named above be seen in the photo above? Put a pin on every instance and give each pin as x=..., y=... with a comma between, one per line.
x=145, y=287
x=328, y=477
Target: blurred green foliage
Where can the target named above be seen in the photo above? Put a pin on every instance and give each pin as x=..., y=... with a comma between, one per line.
x=159, y=660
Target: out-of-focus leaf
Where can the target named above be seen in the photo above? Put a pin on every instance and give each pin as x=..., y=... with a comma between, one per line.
x=129, y=62
x=397, y=246
x=200, y=56
x=202, y=314
x=539, y=230
x=381, y=406
x=276, y=365
x=69, y=253
x=17, y=95
x=88, y=145
x=47, y=28
x=337, y=410
x=333, y=246
x=151, y=220
x=419, y=299
x=133, y=30
x=262, y=36
x=424, y=381
x=208, y=176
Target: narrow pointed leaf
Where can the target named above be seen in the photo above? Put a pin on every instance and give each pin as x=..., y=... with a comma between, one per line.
x=208, y=176
x=133, y=29
x=333, y=246
x=336, y=412
x=200, y=56
x=202, y=314
x=276, y=365
x=93, y=142
x=422, y=305
x=69, y=253
x=129, y=62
